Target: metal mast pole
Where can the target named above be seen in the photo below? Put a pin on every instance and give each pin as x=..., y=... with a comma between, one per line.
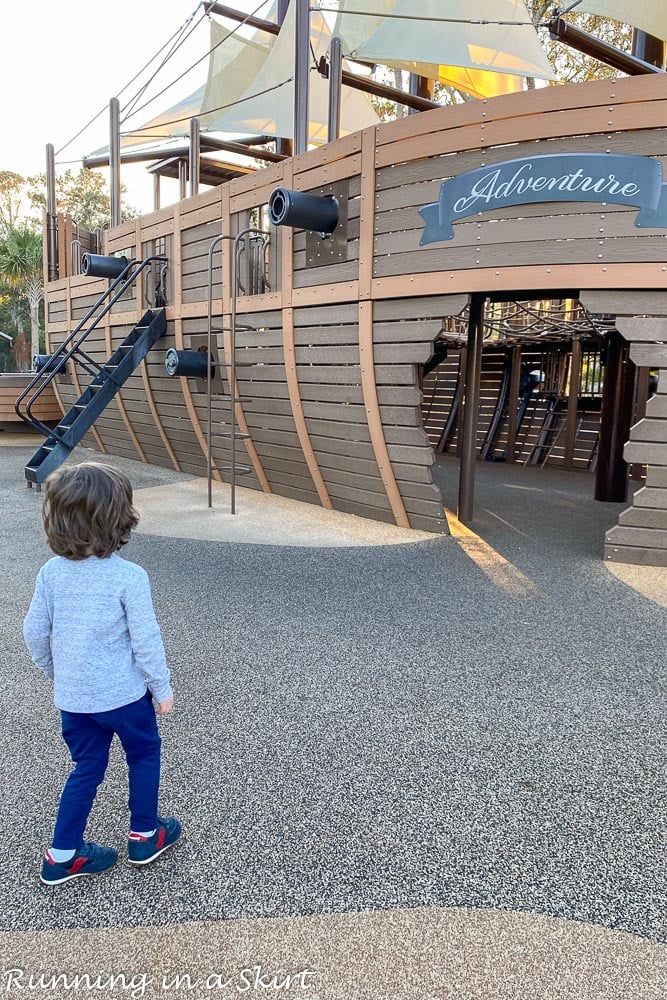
x=301, y=73
x=114, y=160
x=51, y=227
x=195, y=156
x=335, y=84
x=182, y=179
x=283, y=145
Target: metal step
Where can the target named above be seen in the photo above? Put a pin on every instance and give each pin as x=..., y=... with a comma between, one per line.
x=82, y=414
x=241, y=470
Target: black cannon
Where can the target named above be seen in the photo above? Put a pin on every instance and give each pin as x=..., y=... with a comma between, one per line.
x=95, y=265
x=318, y=213
x=190, y=364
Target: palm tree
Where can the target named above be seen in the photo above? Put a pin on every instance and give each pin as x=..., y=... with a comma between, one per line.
x=21, y=268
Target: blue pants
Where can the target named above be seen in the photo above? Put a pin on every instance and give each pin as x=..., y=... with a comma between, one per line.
x=89, y=736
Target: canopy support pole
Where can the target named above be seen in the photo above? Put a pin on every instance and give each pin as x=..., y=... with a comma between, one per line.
x=301, y=73
x=51, y=223
x=584, y=42
x=194, y=160
x=283, y=144
x=335, y=78
x=182, y=178
x=114, y=161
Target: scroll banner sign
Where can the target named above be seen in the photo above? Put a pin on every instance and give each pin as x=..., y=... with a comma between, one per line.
x=635, y=181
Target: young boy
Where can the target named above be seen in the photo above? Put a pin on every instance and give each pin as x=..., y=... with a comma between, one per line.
x=91, y=628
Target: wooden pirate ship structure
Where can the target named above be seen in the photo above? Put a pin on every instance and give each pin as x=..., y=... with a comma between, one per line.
x=493, y=284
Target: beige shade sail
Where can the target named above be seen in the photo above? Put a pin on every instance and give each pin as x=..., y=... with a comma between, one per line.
x=647, y=15
x=439, y=39
x=233, y=64
x=268, y=104
x=169, y=124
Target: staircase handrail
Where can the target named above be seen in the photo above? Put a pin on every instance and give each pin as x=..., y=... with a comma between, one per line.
x=125, y=280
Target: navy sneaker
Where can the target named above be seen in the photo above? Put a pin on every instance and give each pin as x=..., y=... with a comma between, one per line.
x=88, y=860
x=142, y=850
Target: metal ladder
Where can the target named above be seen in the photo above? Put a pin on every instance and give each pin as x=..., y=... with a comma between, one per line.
x=232, y=364
x=106, y=378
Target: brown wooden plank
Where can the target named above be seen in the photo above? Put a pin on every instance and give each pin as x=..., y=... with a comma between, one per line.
x=646, y=453
x=649, y=355
x=520, y=254
x=652, y=538
x=656, y=476
x=636, y=556
x=340, y=291
x=643, y=517
x=648, y=302
x=656, y=406
x=552, y=276
x=560, y=122
x=649, y=430
x=317, y=315
x=650, y=496
x=490, y=228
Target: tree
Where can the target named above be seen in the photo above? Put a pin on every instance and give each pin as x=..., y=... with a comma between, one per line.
x=83, y=195
x=21, y=269
x=11, y=194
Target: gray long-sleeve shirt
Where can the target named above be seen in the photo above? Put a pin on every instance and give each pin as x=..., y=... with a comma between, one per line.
x=92, y=628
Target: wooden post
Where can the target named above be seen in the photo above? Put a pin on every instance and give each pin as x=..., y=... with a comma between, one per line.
x=420, y=86
x=471, y=409
x=611, y=479
x=648, y=47
x=572, y=404
x=513, y=404
x=114, y=161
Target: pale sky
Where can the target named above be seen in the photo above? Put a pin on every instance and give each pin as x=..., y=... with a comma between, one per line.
x=63, y=59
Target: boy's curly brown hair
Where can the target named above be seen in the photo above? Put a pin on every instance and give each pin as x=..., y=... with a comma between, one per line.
x=88, y=511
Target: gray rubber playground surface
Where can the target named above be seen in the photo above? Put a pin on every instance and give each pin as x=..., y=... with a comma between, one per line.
x=369, y=727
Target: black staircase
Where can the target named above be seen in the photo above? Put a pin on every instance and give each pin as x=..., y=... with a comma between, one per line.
x=106, y=380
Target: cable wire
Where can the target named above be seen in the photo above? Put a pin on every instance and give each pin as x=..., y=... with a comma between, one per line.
x=223, y=107
x=127, y=110
x=128, y=84
x=205, y=56
x=417, y=17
